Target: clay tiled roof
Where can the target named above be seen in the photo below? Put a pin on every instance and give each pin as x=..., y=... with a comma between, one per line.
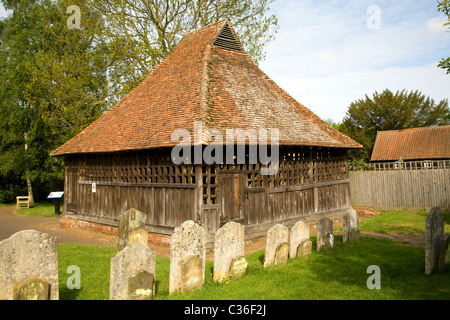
x=203, y=81
x=413, y=144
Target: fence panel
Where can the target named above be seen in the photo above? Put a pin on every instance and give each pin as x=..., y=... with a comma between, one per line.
x=409, y=189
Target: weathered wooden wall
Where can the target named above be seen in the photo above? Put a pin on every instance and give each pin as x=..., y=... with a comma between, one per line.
x=310, y=181
x=398, y=189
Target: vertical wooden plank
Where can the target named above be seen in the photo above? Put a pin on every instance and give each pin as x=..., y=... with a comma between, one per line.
x=316, y=199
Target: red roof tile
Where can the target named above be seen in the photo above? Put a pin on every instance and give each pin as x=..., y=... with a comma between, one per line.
x=412, y=144
x=200, y=81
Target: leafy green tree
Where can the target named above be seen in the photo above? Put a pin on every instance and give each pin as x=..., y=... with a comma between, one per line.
x=20, y=122
x=336, y=125
x=444, y=6
x=389, y=111
x=54, y=84
x=69, y=81
x=56, y=80
x=150, y=29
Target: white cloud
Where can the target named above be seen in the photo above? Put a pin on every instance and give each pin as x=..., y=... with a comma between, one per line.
x=326, y=56
x=436, y=25
x=330, y=97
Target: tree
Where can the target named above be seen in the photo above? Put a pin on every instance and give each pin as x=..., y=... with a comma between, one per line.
x=20, y=143
x=444, y=6
x=54, y=84
x=69, y=73
x=150, y=29
x=55, y=80
x=389, y=111
x=335, y=125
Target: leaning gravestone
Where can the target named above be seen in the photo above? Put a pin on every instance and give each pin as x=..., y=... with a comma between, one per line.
x=238, y=267
x=351, y=227
x=275, y=251
x=325, y=237
x=132, y=274
x=299, y=240
x=444, y=255
x=187, y=257
x=29, y=267
x=131, y=229
x=229, y=251
x=434, y=232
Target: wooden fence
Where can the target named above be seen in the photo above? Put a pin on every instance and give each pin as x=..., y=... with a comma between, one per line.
x=409, y=189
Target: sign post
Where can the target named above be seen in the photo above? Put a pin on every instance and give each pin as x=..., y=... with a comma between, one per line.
x=57, y=196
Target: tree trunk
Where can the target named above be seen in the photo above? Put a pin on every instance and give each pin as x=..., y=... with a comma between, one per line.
x=30, y=188
x=27, y=174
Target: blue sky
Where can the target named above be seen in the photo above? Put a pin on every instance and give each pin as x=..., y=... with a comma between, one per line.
x=329, y=53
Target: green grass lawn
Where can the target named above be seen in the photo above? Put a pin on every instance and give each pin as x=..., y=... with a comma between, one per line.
x=404, y=222
x=339, y=273
x=39, y=209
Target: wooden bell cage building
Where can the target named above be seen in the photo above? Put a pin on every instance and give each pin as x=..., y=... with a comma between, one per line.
x=124, y=159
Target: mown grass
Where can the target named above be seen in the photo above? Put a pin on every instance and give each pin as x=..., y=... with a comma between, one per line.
x=339, y=273
x=403, y=222
x=39, y=209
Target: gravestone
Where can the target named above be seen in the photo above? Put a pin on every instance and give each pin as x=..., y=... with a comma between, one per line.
x=299, y=235
x=351, y=227
x=131, y=229
x=281, y=254
x=187, y=257
x=228, y=248
x=141, y=286
x=447, y=252
x=238, y=267
x=132, y=275
x=434, y=232
x=32, y=289
x=325, y=237
x=29, y=266
x=444, y=255
x=276, y=235
x=304, y=248
x=191, y=274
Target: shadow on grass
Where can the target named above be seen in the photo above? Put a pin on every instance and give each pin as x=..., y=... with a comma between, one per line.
x=401, y=270
x=69, y=294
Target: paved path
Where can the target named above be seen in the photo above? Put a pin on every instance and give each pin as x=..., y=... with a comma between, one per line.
x=11, y=223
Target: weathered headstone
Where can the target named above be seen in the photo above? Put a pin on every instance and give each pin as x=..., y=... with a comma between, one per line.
x=281, y=254
x=351, y=227
x=276, y=235
x=132, y=274
x=191, y=273
x=32, y=289
x=131, y=229
x=141, y=286
x=228, y=247
x=443, y=252
x=238, y=267
x=29, y=266
x=299, y=235
x=434, y=232
x=325, y=237
x=187, y=257
x=447, y=252
x=304, y=248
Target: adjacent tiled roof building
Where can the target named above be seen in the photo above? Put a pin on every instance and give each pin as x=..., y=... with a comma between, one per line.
x=208, y=77
x=412, y=144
